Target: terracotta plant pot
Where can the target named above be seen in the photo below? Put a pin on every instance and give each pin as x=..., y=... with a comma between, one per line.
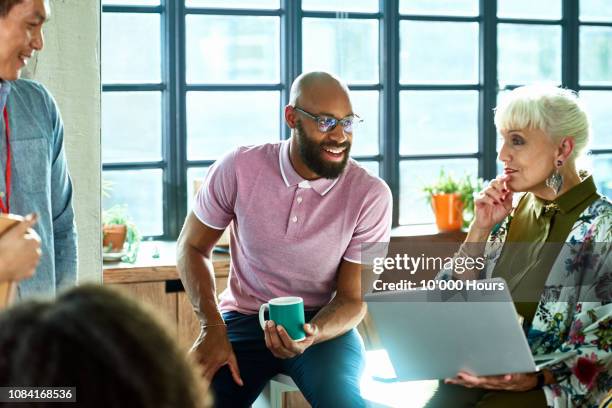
x=448, y=209
x=114, y=236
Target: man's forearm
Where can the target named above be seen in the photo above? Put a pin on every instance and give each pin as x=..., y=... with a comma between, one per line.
x=197, y=273
x=338, y=317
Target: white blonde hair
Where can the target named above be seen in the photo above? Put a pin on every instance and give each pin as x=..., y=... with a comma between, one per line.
x=556, y=111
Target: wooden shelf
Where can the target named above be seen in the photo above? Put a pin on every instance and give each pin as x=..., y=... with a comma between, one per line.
x=160, y=268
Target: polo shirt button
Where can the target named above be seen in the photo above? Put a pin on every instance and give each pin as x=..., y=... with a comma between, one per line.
x=299, y=200
x=294, y=219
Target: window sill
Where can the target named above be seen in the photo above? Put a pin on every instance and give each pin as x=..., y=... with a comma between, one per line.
x=425, y=232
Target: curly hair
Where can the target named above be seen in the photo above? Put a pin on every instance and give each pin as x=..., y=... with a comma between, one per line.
x=102, y=343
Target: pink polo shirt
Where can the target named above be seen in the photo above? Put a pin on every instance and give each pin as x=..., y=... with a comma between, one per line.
x=289, y=235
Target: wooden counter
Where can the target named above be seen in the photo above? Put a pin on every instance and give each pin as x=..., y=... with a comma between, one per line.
x=151, y=268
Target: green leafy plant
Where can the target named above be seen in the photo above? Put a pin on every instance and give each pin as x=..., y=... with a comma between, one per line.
x=118, y=215
x=464, y=186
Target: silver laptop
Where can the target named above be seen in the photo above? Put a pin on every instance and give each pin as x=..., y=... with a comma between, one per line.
x=435, y=334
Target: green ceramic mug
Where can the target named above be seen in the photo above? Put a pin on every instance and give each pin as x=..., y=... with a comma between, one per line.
x=288, y=312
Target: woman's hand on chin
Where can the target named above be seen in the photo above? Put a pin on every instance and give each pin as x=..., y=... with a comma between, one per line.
x=492, y=205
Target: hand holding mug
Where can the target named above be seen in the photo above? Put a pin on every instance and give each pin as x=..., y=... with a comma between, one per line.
x=282, y=345
x=286, y=333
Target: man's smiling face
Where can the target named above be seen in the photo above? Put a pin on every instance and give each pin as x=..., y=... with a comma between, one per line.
x=20, y=36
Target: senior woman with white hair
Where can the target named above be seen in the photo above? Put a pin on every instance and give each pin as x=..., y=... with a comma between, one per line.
x=563, y=292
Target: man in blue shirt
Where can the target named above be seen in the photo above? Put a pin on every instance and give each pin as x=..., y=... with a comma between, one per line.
x=33, y=172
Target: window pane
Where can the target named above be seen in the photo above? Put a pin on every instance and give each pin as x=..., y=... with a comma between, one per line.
x=596, y=10
x=247, y=4
x=438, y=122
x=439, y=7
x=142, y=191
x=602, y=173
x=421, y=59
x=365, y=6
x=541, y=9
x=130, y=2
x=365, y=138
x=529, y=53
x=195, y=178
x=220, y=121
x=131, y=126
x=499, y=138
x=598, y=107
x=371, y=166
x=222, y=49
x=596, y=55
x=133, y=38
x=347, y=47
x=416, y=174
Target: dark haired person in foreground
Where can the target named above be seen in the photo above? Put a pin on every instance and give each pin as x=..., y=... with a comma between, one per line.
x=563, y=289
x=104, y=344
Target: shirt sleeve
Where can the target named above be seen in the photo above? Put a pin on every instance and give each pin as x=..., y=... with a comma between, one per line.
x=371, y=235
x=214, y=202
x=64, y=227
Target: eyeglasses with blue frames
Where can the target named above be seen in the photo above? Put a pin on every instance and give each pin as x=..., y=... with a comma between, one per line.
x=328, y=123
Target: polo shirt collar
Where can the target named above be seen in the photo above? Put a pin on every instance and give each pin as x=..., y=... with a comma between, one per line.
x=292, y=178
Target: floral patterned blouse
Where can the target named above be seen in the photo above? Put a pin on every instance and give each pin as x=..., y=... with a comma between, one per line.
x=575, y=310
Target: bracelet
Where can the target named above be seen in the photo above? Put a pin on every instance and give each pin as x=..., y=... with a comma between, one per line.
x=541, y=380
x=206, y=326
x=461, y=251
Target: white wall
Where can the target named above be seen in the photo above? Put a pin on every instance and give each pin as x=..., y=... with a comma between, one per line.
x=69, y=66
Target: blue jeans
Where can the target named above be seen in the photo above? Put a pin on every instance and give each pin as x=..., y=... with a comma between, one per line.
x=328, y=373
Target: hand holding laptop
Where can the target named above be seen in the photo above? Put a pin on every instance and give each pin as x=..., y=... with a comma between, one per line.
x=507, y=382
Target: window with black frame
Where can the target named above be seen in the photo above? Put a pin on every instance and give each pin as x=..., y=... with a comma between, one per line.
x=233, y=80
x=343, y=37
x=132, y=111
x=185, y=81
x=595, y=84
x=438, y=98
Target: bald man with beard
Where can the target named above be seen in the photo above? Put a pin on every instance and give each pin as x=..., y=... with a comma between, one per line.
x=299, y=212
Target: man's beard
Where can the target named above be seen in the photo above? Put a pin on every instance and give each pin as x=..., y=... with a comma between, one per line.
x=311, y=154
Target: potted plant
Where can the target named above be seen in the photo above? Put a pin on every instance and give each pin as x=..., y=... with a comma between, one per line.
x=452, y=200
x=119, y=230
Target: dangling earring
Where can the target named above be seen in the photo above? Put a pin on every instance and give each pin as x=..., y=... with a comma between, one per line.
x=555, y=180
